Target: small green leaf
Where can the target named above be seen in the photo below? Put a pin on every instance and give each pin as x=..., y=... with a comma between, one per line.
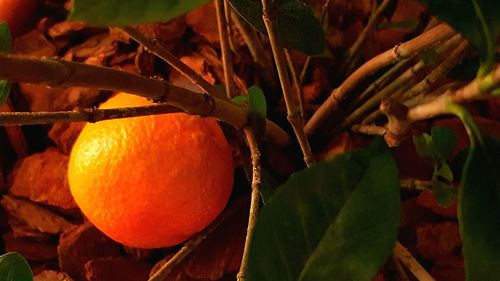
x=4, y=91
x=445, y=172
x=443, y=193
x=297, y=28
x=129, y=12
x=477, y=20
x=5, y=38
x=240, y=100
x=424, y=146
x=337, y=220
x=443, y=141
x=13, y=267
x=5, y=43
x=257, y=101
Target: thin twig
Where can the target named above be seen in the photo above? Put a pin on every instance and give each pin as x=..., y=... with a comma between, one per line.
x=296, y=85
x=192, y=244
x=399, y=52
x=158, y=49
x=439, y=72
x=307, y=62
x=400, y=120
x=372, y=130
x=91, y=115
x=374, y=19
x=254, y=203
x=293, y=114
x=227, y=64
x=55, y=72
x=406, y=259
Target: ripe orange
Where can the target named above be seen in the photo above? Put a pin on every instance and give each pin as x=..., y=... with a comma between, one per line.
x=151, y=181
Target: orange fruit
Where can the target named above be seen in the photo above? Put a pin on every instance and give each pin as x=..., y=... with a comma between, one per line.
x=151, y=181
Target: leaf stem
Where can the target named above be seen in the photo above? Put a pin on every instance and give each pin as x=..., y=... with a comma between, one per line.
x=293, y=114
x=255, y=201
x=398, y=53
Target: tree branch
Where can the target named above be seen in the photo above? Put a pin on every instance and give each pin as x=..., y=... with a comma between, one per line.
x=156, y=48
x=401, y=120
x=293, y=114
x=406, y=259
x=54, y=72
x=399, y=52
x=227, y=64
x=255, y=201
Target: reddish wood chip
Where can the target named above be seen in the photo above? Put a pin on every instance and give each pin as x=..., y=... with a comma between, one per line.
x=64, y=135
x=199, y=65
x=50, y=275
x=80, y=245
x=116, y=268
x=169, y=33
x=35, y=44
x=427, y=200
x=42, y=177
x=449, y=269
x=204, y=22
x=35, y=216
x=435, y=241
x=30, y=249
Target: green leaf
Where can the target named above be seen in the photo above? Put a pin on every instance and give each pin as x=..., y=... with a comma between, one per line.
x=444, y=142
x=5, y=38
x=4, y=91
x=5, y=43
x=443, y=193
x=257, y=101
x=479, y=212
x=13, y=267
x=240, y=100
x=424, y=146
x=477, y=20
x=297, y=28
x=129, y=12
x=445, y=172
x=337, y=220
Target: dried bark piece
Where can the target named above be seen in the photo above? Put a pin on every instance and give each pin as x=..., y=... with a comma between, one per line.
x=139, y=254
x=51, y=275
x=102, y=44
x=35, y=44
x=80, y=245
x=169, y=33
x=22, y=230
x=64, y=135
x=204, y=23
x=449, y=269
x=42, y=177
x=116, y=268
x=35, y=216
x=435, y=241
x=31, y=250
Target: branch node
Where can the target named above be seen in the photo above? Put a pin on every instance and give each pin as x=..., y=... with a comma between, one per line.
x=397, y=53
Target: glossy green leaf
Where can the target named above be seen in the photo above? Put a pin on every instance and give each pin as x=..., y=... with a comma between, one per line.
x=336, y=220
x=13, y=267
x=240, y=100
x=257, y=101
x=479, y=212
x=5, y=43
x=445, y=172
x=129, y=12
x=477, y=20
x=443, y=193
x=297, y=28
x=444, y=142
